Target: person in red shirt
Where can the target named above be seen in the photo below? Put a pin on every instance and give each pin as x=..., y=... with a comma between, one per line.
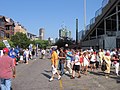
x=81, y=62
x=7, y=70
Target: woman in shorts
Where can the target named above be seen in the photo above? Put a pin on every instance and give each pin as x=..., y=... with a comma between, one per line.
x=76, y=66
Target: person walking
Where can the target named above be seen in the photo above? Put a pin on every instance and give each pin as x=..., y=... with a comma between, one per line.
x=92, y=61
x=54, y=63
x=33, y=54
x=7, y=70
x=107, y=59
x=26, y=56
x=76, y=66
x=116, y=64
x=101, y=55
x=21, y=56
x=61, y=60
x=43, y=53
x=13, y=55
x=85, y=62
x=68, y=61
x=81, y=62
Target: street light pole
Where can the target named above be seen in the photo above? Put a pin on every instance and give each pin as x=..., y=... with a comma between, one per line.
x=84, y=16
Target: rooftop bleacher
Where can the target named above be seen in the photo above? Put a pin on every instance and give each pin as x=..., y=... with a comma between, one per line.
x=97, y=14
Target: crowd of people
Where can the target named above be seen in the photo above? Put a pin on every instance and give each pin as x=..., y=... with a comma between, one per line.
x=63, y=61
x=71, y=61
x=9, y=58
x=22, y=55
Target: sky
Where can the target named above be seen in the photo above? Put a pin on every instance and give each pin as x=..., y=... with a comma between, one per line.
x=50, y=14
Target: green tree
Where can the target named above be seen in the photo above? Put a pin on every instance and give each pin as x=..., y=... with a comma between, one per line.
x=21, y=40
x=2, y=45
x=41, y=43
x=11, y=43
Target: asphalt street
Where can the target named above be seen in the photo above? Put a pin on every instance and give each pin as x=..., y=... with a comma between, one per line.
x=36, y=74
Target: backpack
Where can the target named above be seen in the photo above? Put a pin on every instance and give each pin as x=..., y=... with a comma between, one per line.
x=104, y=66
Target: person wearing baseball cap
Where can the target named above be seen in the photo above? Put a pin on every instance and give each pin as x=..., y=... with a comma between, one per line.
x=7, y=70
x=5, y=50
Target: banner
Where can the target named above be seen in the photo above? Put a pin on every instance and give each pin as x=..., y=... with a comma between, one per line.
x=6, y=43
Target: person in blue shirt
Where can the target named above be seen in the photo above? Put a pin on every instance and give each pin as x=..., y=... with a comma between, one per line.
x=13, y=54
x=68, y=61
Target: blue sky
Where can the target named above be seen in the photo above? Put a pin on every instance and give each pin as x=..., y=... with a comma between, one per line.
x=49, y=14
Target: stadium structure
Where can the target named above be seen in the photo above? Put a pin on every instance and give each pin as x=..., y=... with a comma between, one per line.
x=104, y=29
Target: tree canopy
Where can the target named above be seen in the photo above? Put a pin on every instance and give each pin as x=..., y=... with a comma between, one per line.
x=20, y=40
x=41, y=43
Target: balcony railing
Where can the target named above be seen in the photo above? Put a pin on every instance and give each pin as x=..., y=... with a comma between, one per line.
x=98, y=12
x=92, y=21
x=88, y=27
x=104, y=3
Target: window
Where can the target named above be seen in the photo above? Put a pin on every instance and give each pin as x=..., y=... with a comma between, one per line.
x=2, y=34
x=12, y=28
x=7, y=35
x=7, y=28
x=2, y=23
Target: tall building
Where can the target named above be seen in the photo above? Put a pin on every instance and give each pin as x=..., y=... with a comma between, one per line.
x=64, y=33
x=41, y=33
x=61, y=33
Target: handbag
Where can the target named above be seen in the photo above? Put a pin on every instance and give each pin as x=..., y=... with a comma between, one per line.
x=104, y=66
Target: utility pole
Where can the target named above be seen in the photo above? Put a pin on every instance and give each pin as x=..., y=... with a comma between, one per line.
x=76, y=31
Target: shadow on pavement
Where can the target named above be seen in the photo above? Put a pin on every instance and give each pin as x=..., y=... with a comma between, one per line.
x=46, y=75
x=97, y=73
x=48, y=71
x=117, y=78
x=101, y=73
x=112, y=75
x=68, y=75
x=118, y=81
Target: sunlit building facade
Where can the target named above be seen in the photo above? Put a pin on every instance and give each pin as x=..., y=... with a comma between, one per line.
x=6, y=27
x=19, y=28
